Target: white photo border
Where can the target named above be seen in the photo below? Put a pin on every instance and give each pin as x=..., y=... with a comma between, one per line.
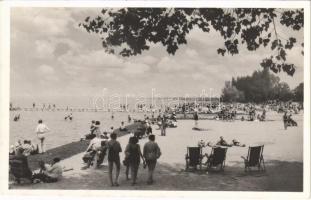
x=68, y=194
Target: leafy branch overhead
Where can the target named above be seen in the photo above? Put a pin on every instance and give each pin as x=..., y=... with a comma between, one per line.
x=129, y=31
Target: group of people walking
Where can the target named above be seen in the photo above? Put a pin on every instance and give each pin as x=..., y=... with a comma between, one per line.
x=133, y=156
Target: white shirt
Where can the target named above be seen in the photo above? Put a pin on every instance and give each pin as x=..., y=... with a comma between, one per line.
x=54, y=171
x=42, y=128
x=95, y=143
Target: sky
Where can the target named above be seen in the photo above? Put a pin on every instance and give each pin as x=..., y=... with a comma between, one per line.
x=53, y=58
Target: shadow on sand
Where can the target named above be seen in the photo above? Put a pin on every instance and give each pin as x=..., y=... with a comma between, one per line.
x=279, y=176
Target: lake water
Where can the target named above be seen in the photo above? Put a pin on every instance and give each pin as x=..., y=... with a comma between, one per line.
x=62, y=132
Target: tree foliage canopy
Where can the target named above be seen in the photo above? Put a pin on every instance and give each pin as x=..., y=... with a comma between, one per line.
x=130, y=31
x=260, y=87
x=298, y=93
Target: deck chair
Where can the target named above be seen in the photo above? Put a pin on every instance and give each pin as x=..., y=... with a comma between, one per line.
x=254, y=158
x=194, y=157
x=217, y=158
x=19, y=169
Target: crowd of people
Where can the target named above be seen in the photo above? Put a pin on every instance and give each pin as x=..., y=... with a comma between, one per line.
x=105, y=144
x=101, y=145
x=27, y=148
x=47, y=173
x=220, y=142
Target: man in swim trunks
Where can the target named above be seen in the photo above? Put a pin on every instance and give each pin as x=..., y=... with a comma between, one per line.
x=114, y=149
x=41, y=130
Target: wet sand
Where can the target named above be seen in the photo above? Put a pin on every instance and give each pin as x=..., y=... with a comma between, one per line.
x=283, y=154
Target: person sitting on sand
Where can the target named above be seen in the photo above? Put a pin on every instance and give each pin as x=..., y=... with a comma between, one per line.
x=129, y=119
x=19, y=156
x=18, y=145
x=96, y=144
x=94, y=130
x=29, y=149
x=49, y=173
x=288, y=121
x=122, y=127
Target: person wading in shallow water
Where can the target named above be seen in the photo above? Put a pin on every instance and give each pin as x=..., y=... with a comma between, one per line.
x=41, y=130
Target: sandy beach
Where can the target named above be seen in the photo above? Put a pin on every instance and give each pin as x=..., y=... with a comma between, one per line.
x=284, y=166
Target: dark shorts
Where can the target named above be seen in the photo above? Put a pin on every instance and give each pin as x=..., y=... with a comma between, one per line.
x=115, y=160
x=110, y=164
x=151, y=164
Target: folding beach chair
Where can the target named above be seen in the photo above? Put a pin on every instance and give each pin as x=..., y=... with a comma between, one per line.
x=194, y=157
x=254, y=158
x=19, y=169
x=217, y=158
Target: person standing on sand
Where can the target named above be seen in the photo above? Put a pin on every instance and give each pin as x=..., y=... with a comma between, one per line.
x=151, y=153
x=114, y=149
x=41, y=130
x=163, y=125
x=196, y=119
x=133, y=154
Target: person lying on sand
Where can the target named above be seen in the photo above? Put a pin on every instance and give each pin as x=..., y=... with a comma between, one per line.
x=223, y=142
x=237, y=143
